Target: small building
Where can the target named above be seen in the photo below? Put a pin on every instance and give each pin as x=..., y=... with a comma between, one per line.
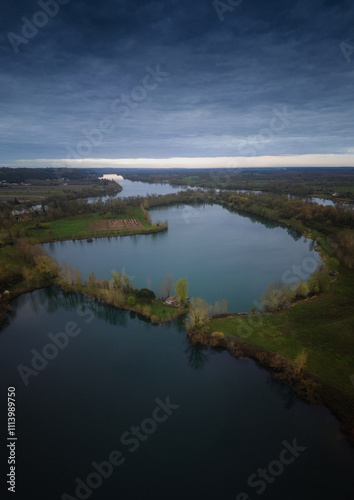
x=172, y=301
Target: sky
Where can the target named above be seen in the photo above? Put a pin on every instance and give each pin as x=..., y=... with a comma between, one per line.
x=177, y=83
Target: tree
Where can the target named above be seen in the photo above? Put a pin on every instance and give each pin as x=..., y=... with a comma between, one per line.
x=164, y=287
x=299, y=362
x=24, y=248
x=78, y=277
x=301, y=289
x=67, y=272
x=276, y=297
x=181, y=288
x=93, y=283
x=121, y=282
x=198, y=315
x=27, y=274
x=319, y=280
x=47, y=267
x=145, y=295
x=220, y=307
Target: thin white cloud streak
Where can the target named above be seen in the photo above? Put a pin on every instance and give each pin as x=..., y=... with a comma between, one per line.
x=307, y=160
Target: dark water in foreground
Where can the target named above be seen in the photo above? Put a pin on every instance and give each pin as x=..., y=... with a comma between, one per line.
x=232, y=419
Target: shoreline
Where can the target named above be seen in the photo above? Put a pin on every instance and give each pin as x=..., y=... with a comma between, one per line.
x=134, y=233
x=307, y=388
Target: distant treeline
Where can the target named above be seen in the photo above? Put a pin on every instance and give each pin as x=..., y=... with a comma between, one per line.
x=297, y=181
x=19, y=175
x=63, y=200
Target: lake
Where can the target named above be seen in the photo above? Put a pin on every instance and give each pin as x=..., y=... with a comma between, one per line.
x=223, y=255
x=181, y=423
x=137, y=188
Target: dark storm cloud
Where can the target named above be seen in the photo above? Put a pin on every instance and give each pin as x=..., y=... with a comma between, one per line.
x=226, y=82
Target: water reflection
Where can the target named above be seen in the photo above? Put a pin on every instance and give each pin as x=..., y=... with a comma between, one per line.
x=283, y=391
x=294, y=234
x=196, y=357
x=269, y=224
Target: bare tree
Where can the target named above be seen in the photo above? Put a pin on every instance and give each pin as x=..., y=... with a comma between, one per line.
x=165, y=286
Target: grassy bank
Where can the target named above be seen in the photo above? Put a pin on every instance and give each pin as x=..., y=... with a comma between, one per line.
x=83, y=226
x=322, y=326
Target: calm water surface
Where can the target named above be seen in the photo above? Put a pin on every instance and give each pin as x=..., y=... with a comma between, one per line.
x=137, y=188
x=231, y=420
x=222, y=254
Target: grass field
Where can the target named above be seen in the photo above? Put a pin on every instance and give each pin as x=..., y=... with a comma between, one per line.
x=79, y=227
x=165, y=313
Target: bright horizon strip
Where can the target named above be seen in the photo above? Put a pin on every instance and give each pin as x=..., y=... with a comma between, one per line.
x=306, y=160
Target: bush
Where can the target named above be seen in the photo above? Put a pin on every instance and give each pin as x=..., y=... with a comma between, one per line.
x=218, y=335
x=131, y=301
x=276, y=298
x=301, y=290
x=319, y=281
x=146, y=311
x=299, y=363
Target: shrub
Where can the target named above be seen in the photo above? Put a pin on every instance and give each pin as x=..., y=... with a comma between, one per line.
x=276, y=298
x=301, y=290
x=299, y=363
x=218, y=335
x=146, y=311
x=319, y=280
x=131, y=301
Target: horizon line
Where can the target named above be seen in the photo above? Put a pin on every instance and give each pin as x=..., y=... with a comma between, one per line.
x=281, y=161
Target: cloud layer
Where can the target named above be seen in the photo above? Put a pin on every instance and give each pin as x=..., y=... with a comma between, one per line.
x=169, y=79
